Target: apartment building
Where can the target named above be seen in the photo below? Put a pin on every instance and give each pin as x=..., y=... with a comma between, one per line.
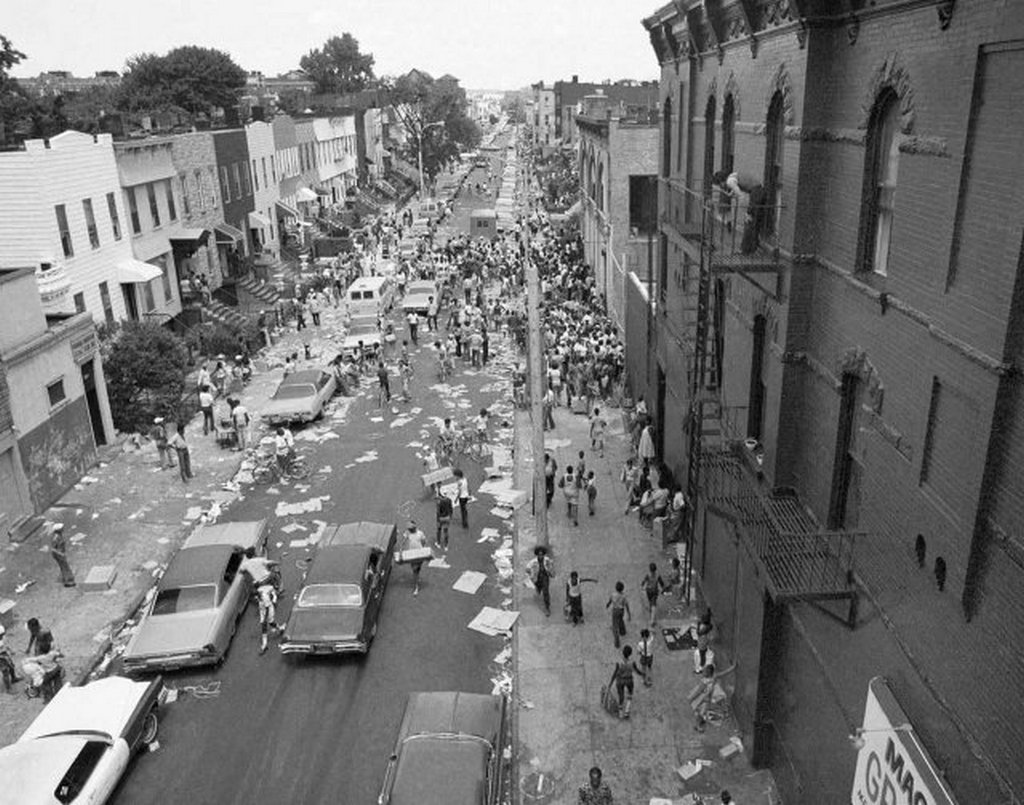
x=835, y=372
x=264, y=232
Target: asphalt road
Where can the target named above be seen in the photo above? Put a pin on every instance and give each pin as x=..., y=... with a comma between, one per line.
x=297, y=730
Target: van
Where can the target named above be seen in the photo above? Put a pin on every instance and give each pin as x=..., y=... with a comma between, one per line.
x=429, y=209
x=370, y=296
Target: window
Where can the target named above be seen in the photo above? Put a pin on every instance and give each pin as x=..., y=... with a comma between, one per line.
x=108, y=309
x=225, y=186
x=666, y=138
x=172, y=211
x=246, y=180
x=600, y=186
x=79, y=302
x=756, y=399
x=211, y=185
x=263, y=163
x=846, y=473
x=236, y=181
x=65, y=233
x=709, y=145
x=133, y=210
x=55, y=392
x=147, y=296
x=680, y=129
x=90, y=223
x=256, y=177
x=273, y=167
x=197, y=177
x=728, y=133
x=766, y=223
x=643, y=204
x=115, y=220
x=154, y=209
x=161, y=263
x=186, y=206
x=270, y=217
x=878, y=196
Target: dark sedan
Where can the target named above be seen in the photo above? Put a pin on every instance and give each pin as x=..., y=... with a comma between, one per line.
x=450, y=751
x=337, y=607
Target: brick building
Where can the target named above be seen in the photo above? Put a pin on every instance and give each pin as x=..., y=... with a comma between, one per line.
x=196, y=162
x=618, y=171
x=843, y=358
x=543, y=116
x=232, y=152
x=632, y=98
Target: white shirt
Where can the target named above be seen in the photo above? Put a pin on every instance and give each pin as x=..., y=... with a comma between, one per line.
x=463, y=488
x=258, y=568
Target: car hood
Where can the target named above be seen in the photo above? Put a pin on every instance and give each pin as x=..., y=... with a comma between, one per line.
x=324, y=623
x=34, y=768
x=416, y=301
x=277, y=407
x=172, y=634
x=352, y=341
x=104, y=706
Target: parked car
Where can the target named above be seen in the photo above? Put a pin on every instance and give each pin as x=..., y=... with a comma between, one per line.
x=194, y=611
x=417, y=296
x=338, y=605
x=80, y=745
x=300, y=397
x=450, y=751
x=365, y=329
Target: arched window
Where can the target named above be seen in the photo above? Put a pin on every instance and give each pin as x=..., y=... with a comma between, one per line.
x=878, y=196
x=709, y=145
x=590, y=177
x=728, y=133
x=600, y=186
x=666, y=138
x=774, y=130
x=681, y=129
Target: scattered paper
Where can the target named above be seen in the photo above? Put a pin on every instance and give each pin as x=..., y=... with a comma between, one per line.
x=288, y=529
x=314, y=504
x=503, y=513
x=469, y=582
x=493, y=622
x=439, y=562
x=503, y=656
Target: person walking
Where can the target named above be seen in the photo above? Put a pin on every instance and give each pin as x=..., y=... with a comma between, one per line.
x=653, y=586
x=550, y=471
x=590, y=486
x=315, y=308
x=623, y=676
x=595, y=792
x=433, y=306
x=180, y=446
x=384, y=389
x=541, y=570
x=571, y=489
x=463, y=495
x=598, y=426
x=240, y=419
x=444, y=519
x=619, y=606
x=415, y=539
x=548, y=408
x=646, y=447
x=158, y=433
x=574, y=598
x=645, y=653
x=59, y=552
x=206, y=406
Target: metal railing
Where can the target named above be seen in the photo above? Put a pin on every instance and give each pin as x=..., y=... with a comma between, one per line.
x=732, y=230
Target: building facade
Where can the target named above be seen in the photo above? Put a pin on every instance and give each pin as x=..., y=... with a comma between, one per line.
x=55, y=394
x=232, y=237
x=837, y=346
x=195, y=160
x=618, y=163
x=544, y=118
x=263, y=229
x=629, y=96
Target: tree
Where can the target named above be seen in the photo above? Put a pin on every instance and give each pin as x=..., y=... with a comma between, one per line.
x=190, y=77
x=145, y=366
x=15, y=105
x=422, y=104
x=338, y=67
x=513, y=106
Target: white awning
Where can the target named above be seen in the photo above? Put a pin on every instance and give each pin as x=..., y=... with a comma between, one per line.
x=189, y=235
x=258, y=220
x=228, y=234
x=304, y=194
x=132, y=271
x=287, y=209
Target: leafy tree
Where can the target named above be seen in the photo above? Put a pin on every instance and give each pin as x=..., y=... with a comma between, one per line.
x=15, y=105
x=338, y=67
x=432, y=112
x=145, y=365
x=189, y=77
x=514, y=107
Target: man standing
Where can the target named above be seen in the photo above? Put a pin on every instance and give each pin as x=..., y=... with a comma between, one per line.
x=746, y=190
x=444, y=519
x=413, y=319
x=595, y=792
x=432, y=310
x=206, y=406
x=240, y=419
x=59, y=552
x=159, y=435
x=463, y=495
x=414, y=539
x=540, y=570
x=180, y=446
x=384, y=392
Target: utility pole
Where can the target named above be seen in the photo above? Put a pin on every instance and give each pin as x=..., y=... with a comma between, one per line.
x=536, y=382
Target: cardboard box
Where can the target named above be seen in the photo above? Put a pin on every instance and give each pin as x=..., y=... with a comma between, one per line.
x=413, y=555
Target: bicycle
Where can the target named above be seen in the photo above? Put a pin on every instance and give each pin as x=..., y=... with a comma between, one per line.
x=268, y=469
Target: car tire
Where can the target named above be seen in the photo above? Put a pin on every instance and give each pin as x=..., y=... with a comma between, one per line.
x=150, y=728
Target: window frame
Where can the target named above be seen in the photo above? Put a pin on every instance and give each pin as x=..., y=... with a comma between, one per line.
x=115, y=217
x=79, y=300
x=67, y=244
x=172, y=209
x=133, y=211
x=710, y=111
x=50, y=387
x=878, y=192
x=90, y=223
x=154, y=206
x=774, y=152
x=108, y=307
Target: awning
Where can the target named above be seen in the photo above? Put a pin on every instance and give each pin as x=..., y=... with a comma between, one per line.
x=287, y=209
x=258, y=220
x=132, y=270
x=228, y=234
x=304, y=195
x=384, y=152
x=323, y=191
x=190, y=236
x=369, y=159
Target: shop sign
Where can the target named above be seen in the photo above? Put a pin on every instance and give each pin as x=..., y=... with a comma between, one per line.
x=892, y=765
x=83, y=347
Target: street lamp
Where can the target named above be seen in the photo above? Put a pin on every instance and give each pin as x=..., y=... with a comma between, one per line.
x=419, y=149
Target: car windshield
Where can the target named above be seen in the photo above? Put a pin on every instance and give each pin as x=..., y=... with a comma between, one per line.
x=421, y=287
x=331, y=595
x=363, y=328
x=296, y=392
x=185, y=599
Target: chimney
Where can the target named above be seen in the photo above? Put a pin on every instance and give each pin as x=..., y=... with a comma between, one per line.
x=575, y=79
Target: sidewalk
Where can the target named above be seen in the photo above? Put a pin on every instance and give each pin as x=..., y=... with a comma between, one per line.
x=562, y=729
x=128, y=514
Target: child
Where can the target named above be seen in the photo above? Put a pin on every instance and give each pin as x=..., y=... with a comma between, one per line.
x=574, y=598
x=645, y=652
x=571, y=490
x=653, y=586
x=597, y=429
x=591, y=492
x=630, y=478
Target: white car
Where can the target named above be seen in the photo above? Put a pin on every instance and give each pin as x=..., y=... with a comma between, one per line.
x=79, y=746
x=417, y=296
x=361, y=329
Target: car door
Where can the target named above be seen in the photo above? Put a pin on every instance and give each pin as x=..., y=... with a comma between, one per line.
x=235, y=586
x=110, y=768
x=375, y=592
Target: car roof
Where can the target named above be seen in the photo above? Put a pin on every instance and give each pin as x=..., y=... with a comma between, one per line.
x=362, y=533
x=477, y=714
x=441, y=771
x=203, y=564
x=367, y=282
x=243, y=534
x=338, y=564
x=302, y=377
x=34, y=768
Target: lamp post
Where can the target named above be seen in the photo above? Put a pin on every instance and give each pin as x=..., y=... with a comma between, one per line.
x=419, y=150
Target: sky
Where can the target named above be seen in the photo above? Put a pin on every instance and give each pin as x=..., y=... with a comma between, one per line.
x=487, y=44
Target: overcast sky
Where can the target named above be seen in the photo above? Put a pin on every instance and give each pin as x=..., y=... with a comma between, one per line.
x=487, y=44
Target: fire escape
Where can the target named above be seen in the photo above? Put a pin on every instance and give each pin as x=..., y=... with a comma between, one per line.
x=798, y=559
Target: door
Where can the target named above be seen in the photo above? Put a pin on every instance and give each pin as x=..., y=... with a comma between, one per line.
x=659, y=423
x=14, y=504
x=755, y=410
x=92, y=399
x=131, y=306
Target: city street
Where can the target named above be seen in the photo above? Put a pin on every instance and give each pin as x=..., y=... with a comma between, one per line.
x=287, y=729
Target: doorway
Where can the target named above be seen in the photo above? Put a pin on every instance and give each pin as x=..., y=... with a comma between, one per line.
x=131, y=306
x=92, y=399
x=659, y=421
x=846, y=470
x=755, y=413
